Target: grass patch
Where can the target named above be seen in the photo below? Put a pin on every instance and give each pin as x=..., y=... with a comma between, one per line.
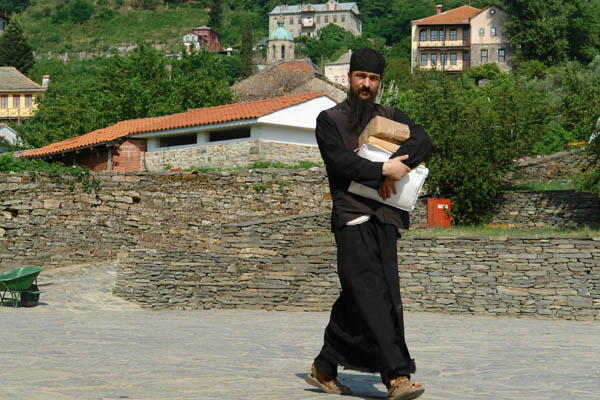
x=493, y=231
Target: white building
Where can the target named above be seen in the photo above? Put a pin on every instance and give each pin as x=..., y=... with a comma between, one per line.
x=308, y=19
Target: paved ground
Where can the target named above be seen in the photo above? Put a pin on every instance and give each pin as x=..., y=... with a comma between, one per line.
x=83, y=343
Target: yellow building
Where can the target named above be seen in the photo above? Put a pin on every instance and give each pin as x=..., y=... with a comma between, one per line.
x=18, y=94
x=460, y=38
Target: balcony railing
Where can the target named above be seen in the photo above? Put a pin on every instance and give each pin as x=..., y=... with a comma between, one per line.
x=445, y=43
x=10, y=113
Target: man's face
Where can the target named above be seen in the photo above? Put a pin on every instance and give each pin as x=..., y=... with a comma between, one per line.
x=364, y=84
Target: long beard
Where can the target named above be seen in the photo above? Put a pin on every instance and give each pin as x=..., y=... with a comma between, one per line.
x=361, y=111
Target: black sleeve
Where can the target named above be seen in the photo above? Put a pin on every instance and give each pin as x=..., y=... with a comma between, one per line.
x=418, y=146
x=341, y=161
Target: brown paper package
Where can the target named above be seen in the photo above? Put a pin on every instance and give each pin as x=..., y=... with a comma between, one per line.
x=385, y=129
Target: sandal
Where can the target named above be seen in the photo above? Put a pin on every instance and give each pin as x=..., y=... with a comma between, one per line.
x=316, y=379
x=404, y=389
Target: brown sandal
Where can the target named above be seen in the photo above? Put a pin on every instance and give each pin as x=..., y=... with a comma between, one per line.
x=404, y=389
x=317, y=379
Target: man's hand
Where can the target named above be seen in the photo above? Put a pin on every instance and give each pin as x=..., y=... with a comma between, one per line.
x=395, y=169
x=388, y=187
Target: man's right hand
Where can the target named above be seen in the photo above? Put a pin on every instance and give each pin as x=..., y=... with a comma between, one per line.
x=394, y=168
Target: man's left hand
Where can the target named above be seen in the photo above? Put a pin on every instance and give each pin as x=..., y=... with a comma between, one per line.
x=387, y=188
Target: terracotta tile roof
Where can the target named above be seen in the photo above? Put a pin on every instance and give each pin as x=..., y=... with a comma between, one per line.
x=193, y=117
x=13, y=80
x=455, y=16
x=295, y=66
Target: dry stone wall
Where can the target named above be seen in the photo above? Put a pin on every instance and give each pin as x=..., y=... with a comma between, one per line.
x=289, y=264
x=265, y=234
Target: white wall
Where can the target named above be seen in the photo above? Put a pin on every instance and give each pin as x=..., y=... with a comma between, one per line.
x=302, y=115
x=284, y=134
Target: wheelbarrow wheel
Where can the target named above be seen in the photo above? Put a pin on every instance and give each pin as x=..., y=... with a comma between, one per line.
x=29, y=299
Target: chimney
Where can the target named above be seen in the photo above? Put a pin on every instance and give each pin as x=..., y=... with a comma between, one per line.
x=45, y=80
x=439, y=9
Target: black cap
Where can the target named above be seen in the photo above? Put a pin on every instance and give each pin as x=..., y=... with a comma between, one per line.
x=368, y=60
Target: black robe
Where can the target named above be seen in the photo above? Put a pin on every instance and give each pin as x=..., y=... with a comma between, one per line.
x=366, y=329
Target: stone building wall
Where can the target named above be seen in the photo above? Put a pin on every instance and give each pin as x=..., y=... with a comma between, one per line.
x=289, y=264
x=231, y=155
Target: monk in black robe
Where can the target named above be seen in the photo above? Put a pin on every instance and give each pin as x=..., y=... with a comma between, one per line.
x=366, y=329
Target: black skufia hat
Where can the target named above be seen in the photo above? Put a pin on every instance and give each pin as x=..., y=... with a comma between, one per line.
x=368, y=60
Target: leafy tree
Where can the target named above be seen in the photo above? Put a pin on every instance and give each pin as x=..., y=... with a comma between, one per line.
x=15, y=50
x=476, y=131
x=553, y=31
x=216, y=14
x=81, y=11
x=14, y=6
x=247, y=63
x=122, y=88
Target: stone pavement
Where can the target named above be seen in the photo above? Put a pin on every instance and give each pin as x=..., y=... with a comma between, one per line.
x=81, y=342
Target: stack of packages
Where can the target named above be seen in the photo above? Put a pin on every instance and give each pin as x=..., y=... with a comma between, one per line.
x=380, y=139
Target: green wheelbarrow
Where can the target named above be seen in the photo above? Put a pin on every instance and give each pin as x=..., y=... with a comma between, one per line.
x=20, y=282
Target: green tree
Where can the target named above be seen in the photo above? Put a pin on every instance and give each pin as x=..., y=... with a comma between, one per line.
x=476, y=132
x=553, y=31
x=81, y=11
x=15, y=50
x=216, y=14
x=14, y=6
x=247, y=63
x=139, y=86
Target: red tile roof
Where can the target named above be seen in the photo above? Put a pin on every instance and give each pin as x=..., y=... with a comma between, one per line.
x=193, y=117
x=455, y=16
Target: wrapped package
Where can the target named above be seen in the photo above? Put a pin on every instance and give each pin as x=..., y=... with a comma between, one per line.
x=385, y=129
x=407, y=189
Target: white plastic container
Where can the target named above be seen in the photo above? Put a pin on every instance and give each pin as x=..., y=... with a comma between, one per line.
x=407, y=189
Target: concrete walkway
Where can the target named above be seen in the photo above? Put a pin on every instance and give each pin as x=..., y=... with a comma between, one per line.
x=83, y=343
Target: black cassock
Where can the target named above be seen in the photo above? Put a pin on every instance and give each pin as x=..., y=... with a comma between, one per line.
x=366, y=329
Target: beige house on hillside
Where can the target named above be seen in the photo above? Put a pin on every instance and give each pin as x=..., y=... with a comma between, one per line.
x=460, y=38
x=337, y=71
x=308, y=19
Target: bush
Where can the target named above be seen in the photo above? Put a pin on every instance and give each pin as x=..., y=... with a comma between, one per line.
x=476, y=132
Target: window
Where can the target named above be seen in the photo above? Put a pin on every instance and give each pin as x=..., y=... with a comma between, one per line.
x=274, y=52
x=282, y=52
x=441, y=34
x=493, y=31
x=481, y=32
x=484, y=57
x=423, y=37
x=299, y=21
x=423, y=58
x=335, y=18
x=343, y=18
x=434, y=59
x=318, y=20
x=179, y=140
x=452, y=58
x=16, y=101
x=3, y=101
x=501, y=57
x=443, y=58
x=465, y=33
x=452, y=34
x=433, y=34
x=236, y=133
x=326, y=20
x=27, y=101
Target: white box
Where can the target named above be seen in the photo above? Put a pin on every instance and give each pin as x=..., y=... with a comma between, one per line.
x=407, y=189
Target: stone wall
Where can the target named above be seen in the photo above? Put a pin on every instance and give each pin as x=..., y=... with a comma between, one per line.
x=261, y=224
x=548, y=208
x=551, y=167
x=231, y=155
x=289, y=264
